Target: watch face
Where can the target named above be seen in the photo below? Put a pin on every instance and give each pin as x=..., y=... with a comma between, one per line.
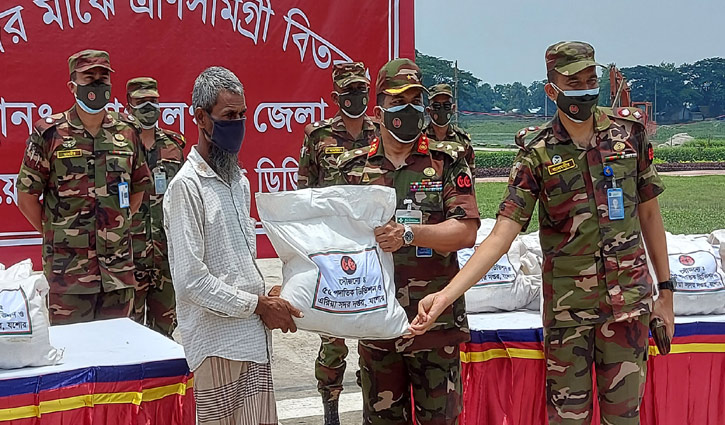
x=408, y=237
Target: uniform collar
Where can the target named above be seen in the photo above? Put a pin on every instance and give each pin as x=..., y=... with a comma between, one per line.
x=338, y=124
x=430, y=131
x=422, y=147
x=74, y=120
x=601, y=123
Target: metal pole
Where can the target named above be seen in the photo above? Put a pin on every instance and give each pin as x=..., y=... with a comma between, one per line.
x=455, y=89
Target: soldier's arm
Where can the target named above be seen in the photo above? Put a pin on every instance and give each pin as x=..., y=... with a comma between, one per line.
x=32, y=209
x=32, y=179
x=461, y=212
x=140, y=177
x=487, y=254
x=653, y=232
x=307, y=175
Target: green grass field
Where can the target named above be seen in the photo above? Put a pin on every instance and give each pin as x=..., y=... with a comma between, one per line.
x=487, y=131
x=689, y=204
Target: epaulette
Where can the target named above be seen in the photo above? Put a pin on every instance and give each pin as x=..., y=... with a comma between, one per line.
x=45, y=124
x=529, y=135
x=452, y=149
x=625, y=113
x=352, y=154
x=176, y=137
x=310, y=128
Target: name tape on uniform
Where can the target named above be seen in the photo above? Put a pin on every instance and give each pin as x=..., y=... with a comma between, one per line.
x=563, y=166
x=334, y=150
x=73, y=153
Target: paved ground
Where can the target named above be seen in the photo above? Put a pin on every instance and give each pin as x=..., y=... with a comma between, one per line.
x=298, y=401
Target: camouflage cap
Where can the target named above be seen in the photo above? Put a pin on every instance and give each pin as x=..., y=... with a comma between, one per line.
x=141, y=87
x=570, y=57
x=397, y=76
x=346, y=73
x=87, y=59
x=437, y=89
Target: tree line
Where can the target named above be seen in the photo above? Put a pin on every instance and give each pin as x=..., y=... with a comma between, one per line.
x=679, y=92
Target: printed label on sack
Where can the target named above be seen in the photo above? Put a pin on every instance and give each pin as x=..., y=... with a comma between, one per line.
x=349, y=282
x=14, y=313
x=502, y=272
x=696, y=272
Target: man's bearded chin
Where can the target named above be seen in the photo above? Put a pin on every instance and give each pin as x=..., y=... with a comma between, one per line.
x=225, y=164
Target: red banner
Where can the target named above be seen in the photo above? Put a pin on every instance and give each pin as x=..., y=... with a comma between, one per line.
x=281, y=50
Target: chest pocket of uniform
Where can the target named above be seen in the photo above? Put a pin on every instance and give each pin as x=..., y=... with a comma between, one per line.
x=118, y=169
x=625, y=173
x=567, y=197
x=72, y=176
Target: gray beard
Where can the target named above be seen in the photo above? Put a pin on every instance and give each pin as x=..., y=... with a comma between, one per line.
x=226, y=165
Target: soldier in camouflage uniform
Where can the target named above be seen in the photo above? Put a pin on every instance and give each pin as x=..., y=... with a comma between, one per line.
x=441, y=108
x=591, y=170
x=437, y=216
x=154, y=301
x=87, y=165
x=324, y=142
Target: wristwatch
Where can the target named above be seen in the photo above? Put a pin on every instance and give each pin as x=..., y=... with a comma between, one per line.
x=407, y=235
x=667, y=284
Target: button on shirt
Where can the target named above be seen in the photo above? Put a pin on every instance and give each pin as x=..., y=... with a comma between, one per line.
x=211, y=253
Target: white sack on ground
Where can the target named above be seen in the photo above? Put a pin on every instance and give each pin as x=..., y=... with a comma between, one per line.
x=696, y=264
x=333, y=270
x=24, y=339
x=513, y=282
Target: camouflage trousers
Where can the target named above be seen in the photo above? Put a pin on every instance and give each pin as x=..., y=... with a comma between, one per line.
x=388, y=379
x=76, y=308
x=155, y=301
x=618, y=353
x=330, y=367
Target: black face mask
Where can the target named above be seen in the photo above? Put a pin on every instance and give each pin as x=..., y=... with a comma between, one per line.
x=353, y=103
x=577, y=104
x=93, y=97
x=147, y=114
x=441, y=113
x=228, y=135
x=404, y=122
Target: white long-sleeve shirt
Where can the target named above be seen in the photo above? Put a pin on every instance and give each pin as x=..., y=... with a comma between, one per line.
x=212, y=251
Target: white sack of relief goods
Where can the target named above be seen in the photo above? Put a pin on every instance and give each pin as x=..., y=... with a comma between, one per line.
x=24, y=339
x=334, y=271
x=506, y=286
x=696, y=265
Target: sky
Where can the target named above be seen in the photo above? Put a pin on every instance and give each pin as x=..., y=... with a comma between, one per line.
x=504, y=41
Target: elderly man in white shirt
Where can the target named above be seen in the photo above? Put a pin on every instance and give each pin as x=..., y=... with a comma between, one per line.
x=224, y=317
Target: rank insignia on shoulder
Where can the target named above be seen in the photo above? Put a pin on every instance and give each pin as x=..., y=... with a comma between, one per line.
x=562, y=166
x=72, y=153
x=334, y=150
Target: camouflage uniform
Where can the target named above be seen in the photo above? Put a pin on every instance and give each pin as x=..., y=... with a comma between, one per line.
x=596, y=286
x=453, y=132
x=324, y=142
x=154, y=300
x=87, y=255
x=437, y=179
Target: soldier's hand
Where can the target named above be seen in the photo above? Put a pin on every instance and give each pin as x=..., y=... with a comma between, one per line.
x=390, y=236
x=429, y=308
x=276, y=313
x=664, y=310
x=275, y=291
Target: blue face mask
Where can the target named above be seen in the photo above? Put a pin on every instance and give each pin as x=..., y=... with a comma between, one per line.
x=227, y=135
